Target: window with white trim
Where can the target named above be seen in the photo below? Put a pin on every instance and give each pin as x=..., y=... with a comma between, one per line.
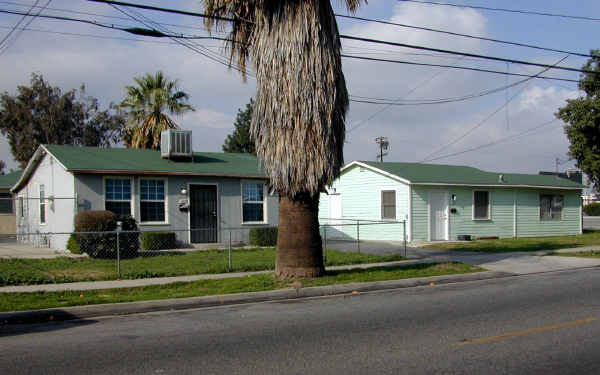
x=6, y=204
x=253, y=202
x=481, y=205
x=42, y=204
x=551, y=207
x=152, y=201
x=388, y=205
x=117, y=197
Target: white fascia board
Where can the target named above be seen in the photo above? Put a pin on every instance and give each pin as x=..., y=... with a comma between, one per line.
x=390, y=175
x=507, y=186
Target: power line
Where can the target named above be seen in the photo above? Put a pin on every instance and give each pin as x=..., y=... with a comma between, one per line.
x=463, y=35
x=17, y=24
x=97, y=36
x=368, y=40
x=167, y=10
x=186, y=44
x=152, y=32
x=506, y=139
x=482, y=122
x=202, y=15
x=532, y=12
x=419, y=85
x=108, y=16
x=457, y=67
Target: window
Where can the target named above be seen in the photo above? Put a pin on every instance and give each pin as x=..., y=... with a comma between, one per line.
x=253, y=202
x=42, y=204
x=481, y=205
x=388, y=205
x=551, y=207
x=118, y=196
x=152, y=201
x=6, y=204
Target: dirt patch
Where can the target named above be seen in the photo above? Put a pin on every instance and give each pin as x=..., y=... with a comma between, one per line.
x=448, y=267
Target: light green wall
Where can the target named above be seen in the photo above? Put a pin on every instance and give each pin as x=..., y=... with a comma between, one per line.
x=361, y=199
x=502, y=209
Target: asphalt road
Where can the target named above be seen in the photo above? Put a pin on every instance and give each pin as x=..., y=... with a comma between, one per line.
x=591, y=222
x=537, y=324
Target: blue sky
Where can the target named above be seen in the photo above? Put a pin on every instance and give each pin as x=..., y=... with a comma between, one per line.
x=105, y=66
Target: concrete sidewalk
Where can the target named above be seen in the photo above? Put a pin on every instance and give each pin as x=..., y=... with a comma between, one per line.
x=112, y=284
x=515, y=263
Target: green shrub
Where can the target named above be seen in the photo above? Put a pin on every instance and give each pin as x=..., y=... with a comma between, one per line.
x=95, y=221
x=104, y=245
x=158, y=240
x=73, y=245
x=592, y=209
x=263, y=236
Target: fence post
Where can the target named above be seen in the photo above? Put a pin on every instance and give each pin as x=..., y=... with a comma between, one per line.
x=325, y=240
x=404, y=234
x=118, y=250
x=230, y=265
x=358, y=235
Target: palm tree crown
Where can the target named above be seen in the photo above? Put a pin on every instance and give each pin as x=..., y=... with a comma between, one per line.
x=301, y=100
x=147, y=103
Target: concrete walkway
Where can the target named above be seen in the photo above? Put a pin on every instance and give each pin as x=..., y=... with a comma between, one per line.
x=112, y=284
x=12, y=250
x=515, y=263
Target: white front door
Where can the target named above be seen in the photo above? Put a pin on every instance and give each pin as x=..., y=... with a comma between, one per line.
x=438, y=215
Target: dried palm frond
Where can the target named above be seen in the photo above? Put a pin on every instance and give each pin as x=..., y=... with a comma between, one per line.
x=301, y=100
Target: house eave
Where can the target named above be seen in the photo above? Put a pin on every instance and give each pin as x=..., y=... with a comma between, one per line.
x=499, y=185
x=163, y=173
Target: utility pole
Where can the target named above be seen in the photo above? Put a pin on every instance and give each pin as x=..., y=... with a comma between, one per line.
x=383, y=143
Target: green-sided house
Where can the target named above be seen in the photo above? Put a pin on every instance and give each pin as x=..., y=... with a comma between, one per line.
x=443, y=202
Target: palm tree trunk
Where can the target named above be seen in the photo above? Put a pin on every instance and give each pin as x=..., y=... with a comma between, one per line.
x=299, y=247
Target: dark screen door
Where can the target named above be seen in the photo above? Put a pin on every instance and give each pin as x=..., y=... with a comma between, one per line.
x=203, y=213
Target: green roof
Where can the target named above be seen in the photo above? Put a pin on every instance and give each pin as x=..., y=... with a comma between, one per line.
x=95, y=159
x=418, y=173
x=8, y=180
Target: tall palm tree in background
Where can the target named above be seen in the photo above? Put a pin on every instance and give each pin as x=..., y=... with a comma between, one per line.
x=146, y=104
x=299, y=114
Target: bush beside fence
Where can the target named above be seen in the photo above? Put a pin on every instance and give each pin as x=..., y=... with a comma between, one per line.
x=263, y=236
x=158, y=240
x=592, y=209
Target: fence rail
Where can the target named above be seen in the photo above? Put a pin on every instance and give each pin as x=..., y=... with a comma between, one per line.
x=127, y=247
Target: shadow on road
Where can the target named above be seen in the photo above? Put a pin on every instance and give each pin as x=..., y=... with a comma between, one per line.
x=20, y=323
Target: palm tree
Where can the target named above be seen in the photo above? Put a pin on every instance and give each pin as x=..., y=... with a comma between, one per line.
x=147, y=103
x=299, y=114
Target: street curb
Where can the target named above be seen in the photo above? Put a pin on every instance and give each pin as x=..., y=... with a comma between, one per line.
x=126, y=308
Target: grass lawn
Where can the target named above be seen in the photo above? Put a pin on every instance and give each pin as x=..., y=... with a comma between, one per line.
x=63, y=269
x=580, y=254
x=523, y=244
x=255, y=283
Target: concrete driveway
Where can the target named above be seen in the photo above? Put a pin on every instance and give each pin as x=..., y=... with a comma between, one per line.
x=11, y=250
x=521, y=263
x=591, y=222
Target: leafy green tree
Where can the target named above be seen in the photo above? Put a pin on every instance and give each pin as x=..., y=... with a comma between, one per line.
x=148, y=103
x=42, y=114
x=240, y=140
x=298, y=122
x=582, y=116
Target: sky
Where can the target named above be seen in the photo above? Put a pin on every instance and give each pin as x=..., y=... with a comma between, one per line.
x=438, y=133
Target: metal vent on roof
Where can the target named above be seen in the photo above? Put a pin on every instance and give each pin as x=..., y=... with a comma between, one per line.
x=176, y=143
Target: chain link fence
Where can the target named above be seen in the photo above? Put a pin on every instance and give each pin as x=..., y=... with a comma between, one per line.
x=154, y=253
